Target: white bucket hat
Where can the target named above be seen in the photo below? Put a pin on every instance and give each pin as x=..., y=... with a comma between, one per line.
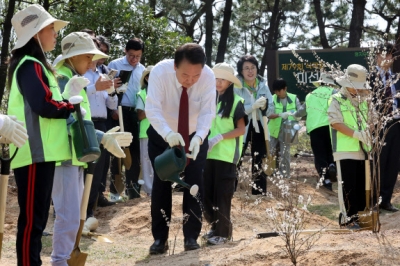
x=324, y=78
x=29, y=21
x=354, y=77
x=144, y=74
x=227, y=72
x=77, y=43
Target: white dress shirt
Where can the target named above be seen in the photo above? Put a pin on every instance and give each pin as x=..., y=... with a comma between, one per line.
x=163, y=98
x=99, y=100
x=129, y=97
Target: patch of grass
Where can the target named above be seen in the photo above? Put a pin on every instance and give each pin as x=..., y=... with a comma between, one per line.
x=330, y=211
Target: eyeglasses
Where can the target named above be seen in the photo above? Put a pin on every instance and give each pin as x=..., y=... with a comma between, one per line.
x=249, y=68
x=135, y=56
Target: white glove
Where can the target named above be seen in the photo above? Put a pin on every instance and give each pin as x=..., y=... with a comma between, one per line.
x=13, y=131
x=194, y=147
x=284, y=115
x=113, y=141
x=123, y=88
x=214, y=141
x=74, y=86
x=363, y=136
x=174, y=139
x=260, y=103
x=111, y=89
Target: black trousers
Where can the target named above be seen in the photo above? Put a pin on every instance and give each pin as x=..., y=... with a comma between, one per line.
x=353, y=177
x=131, y=124
x=34, y=183
x=161, y=196
x=219, y=186
x=322, y=149
x=100, y=172
x=389, y=161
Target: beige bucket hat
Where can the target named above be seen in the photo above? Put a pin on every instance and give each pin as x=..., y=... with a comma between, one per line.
x=29, y=21
x=77, y=43
x=354, y=77
x=144, y=74
x=324, y=78
x=227, y=72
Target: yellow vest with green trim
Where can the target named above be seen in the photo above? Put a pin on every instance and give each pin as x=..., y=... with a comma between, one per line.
x=145, y=123
x=340, y=141
x=317, y=106
x=48, y=137
x=67, y=73
x=274, y=125
x=227, y=150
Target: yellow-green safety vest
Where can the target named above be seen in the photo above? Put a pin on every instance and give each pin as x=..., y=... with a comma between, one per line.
x=48, y=137
x=274, y=125
x=227, y=150
x=67, y=73
x=340, y=141
x=316, y=107
x=145, y=123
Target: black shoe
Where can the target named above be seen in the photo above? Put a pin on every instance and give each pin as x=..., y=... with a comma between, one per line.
x=159, y=247
x=328, y=186
x=102, y=201
x=191, y=244
x=332, y=172
x=133, y=193
x=388, y=207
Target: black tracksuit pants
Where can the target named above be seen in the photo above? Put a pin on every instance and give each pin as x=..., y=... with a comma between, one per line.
x=161, y=196
x=34, y=183
x=322, y=149
x=219, y=186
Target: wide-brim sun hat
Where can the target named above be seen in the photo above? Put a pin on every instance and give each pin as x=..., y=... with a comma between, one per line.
x=29, y=21
x=354, y=77
x=144, y=74
x=324, y=78
x=227, y=72
x=78, y=43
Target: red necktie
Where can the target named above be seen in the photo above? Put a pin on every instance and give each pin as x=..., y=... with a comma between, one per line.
x=183, y=121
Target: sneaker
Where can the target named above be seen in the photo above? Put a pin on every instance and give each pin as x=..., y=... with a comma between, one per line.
x=91, y=224
x=217, y=240
x=332, y=172
x=115, y=197
x=208, y=235
x=328, y=185
x=102, y=201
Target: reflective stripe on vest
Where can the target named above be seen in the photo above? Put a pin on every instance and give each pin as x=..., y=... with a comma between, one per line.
x=340, y=141
x=317, y=106
x=227, y=150
x=274, y=125
x=48, y=137
x=145, y=123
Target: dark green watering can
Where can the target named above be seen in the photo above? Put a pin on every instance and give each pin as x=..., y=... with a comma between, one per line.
x=170, y=164
x=83, y=135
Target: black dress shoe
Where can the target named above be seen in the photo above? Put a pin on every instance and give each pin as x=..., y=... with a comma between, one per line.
x=191, y=244
x=102, y=201
x=388, y=207
x=159, y=247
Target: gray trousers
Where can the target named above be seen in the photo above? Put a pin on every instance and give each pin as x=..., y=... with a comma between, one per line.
x=284, y=156
x=67, y=198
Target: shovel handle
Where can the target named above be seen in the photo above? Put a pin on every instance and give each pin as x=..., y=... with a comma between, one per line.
x=120, y=118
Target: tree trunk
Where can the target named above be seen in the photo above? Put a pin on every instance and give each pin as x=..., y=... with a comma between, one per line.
x=5, y=46
x=357, y=23
x=321, y=25
x=46, y=5
x=224, y=32
x=152, y=4
x=209, y=31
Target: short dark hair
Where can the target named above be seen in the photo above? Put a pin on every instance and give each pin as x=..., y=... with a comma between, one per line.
x=279, y=84
x=242, y=60
x=388, y=47
x=134, y=44
x=191, y=52
x=89, y=31
x=96, y=42
x=103, y=40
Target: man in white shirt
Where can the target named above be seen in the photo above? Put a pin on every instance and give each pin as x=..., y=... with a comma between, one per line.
x=131, y=61
x=180, y=106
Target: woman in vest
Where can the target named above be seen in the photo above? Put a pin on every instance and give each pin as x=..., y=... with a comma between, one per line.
x=348, y=114
x=286, y=107
x=35, y=99
x=147, y=169
x=78, y=52
x=256, y=94
x=225, y=148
